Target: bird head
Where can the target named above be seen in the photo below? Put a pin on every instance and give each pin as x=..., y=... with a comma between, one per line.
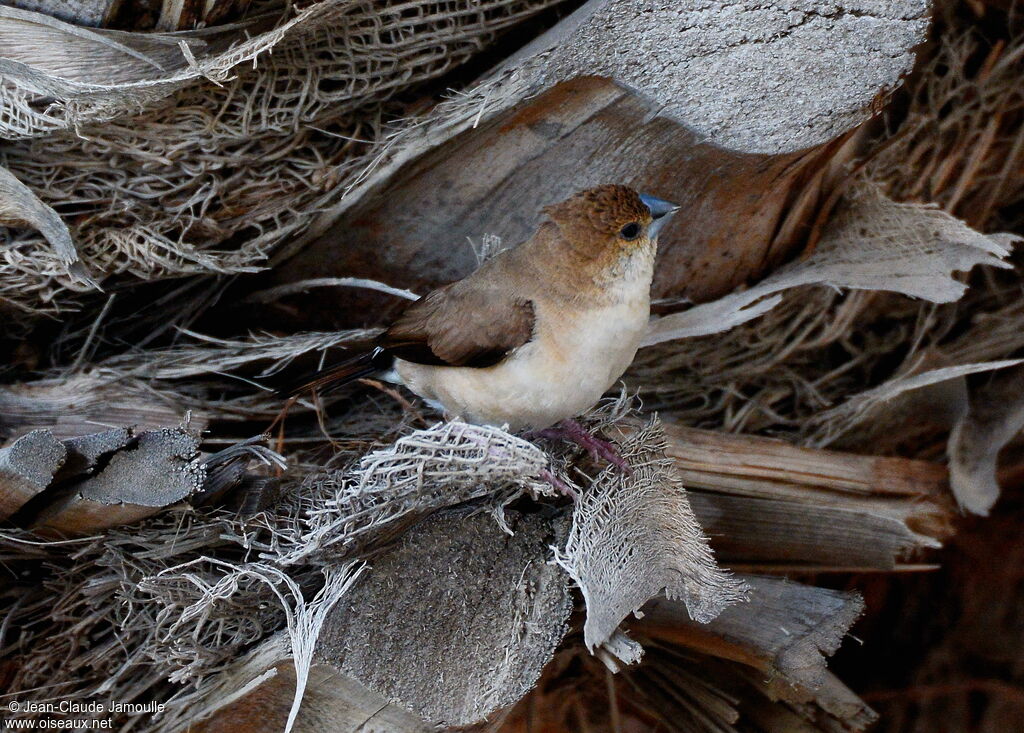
x=610, y=219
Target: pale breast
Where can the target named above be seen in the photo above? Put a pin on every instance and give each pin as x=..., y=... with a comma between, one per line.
x=571, y=362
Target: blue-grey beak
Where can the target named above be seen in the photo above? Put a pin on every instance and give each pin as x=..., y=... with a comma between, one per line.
x=661, y=210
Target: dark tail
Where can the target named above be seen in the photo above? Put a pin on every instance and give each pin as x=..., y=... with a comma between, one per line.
x=338, y=375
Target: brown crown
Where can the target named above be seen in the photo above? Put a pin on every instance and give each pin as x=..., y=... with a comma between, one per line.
x=606, y=208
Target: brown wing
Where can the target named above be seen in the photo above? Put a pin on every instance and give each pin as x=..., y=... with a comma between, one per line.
x=469, y=323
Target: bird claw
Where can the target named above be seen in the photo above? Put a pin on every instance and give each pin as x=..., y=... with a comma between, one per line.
x=598, y=448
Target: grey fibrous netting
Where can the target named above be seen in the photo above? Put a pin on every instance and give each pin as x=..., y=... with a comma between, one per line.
x=630, y=538
x=210, y=167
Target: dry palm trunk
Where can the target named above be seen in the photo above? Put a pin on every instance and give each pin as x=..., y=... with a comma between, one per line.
x=746, y=213
x=453, y=594
x=772, y=506
x=457, y=619
x=162, y=15
x=447, y=597
x=672, y=100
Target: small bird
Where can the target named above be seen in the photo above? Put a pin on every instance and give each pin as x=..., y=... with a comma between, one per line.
x=538, y=333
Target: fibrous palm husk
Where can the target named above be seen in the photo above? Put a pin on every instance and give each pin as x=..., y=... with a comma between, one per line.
x=195, y=591
x=333, y=516
x=226, y=582
x=241, y=148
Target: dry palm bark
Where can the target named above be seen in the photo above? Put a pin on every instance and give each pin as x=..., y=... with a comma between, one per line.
x=783, y=635
x=769, y=505
x=457, y=589
x=259, y=612
x=495, y=178
x=757, y=165
x=288, y=80
x=715, y=81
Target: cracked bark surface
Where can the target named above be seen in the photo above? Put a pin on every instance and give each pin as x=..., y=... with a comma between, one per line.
x=751, y=76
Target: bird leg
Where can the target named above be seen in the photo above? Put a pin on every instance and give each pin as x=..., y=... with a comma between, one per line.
x=558, y=484
x=598, y=448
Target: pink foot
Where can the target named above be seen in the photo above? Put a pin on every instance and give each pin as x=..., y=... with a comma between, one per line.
x=598, y=448
x=560, y=486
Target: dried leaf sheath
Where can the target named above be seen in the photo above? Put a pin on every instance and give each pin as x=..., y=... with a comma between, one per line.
x=234, y=94
x=633, y=537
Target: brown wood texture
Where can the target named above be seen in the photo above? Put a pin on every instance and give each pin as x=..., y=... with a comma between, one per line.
x=784, y=628
x=332, y=702
x=770, y=506
x=742, y=214
x=764, y=467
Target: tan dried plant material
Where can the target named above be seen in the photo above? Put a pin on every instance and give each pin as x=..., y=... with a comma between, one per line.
x=635, y=536
x=961, y=143
x=276, y=100
x=870, y=243
x=993, y=417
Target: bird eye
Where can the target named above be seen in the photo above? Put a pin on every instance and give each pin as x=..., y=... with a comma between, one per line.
x=630, y=231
